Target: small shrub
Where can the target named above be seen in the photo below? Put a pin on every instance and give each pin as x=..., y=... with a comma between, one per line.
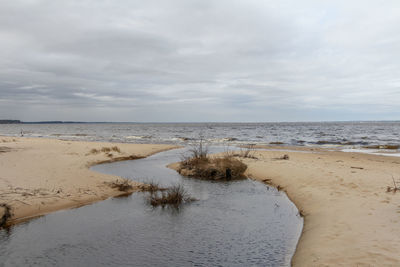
x=192, y=163
x=200, y=165
x=236, y=167
x=225, y=168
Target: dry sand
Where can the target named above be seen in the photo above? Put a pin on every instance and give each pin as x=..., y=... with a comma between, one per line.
x=38, y=176
x=350, y=219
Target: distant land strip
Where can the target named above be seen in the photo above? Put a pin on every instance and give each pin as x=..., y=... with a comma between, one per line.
x=9, y=121
x=41, y=122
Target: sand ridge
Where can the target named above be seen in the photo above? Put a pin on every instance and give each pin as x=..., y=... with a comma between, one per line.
x=38, y=175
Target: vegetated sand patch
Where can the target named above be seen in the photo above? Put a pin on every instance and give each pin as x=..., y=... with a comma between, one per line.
x=350, y=218
x=38, y=175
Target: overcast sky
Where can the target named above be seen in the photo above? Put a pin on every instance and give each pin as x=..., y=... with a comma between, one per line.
x=205, y=60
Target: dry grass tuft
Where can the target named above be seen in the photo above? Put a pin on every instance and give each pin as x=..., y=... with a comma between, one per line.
x=151, y=187
x=247, y=152
x=94, y=151
x=200, y=165
x=174, y=196
x=123, y=185
x=116, y=149
x=105, y=149
x=226, y=168
x=393, y=189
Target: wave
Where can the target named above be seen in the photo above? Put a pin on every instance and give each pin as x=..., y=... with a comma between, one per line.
x=340, y=143
x=388, y=147
x=139, y=137
x=70, y=135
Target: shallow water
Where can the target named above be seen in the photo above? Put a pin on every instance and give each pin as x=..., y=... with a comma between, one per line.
x=241, y=223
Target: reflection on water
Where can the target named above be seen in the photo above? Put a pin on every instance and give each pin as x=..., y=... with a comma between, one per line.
x=239, y=223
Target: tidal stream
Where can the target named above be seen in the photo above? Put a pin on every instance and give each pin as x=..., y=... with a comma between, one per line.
x=238, y=223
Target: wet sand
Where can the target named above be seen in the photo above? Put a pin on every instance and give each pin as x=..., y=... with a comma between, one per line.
x=38, y=176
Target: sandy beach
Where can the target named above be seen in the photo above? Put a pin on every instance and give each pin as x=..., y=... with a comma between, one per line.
x=38, y=176
x=350, y=219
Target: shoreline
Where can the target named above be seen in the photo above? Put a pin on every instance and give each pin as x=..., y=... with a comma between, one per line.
x=39, y=176
x=349, y=218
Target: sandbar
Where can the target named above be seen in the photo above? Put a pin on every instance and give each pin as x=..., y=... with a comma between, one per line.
x=349, y=217
x=39, y=176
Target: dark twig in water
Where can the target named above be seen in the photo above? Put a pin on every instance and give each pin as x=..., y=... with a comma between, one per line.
x=301, y=213
x=7, y=214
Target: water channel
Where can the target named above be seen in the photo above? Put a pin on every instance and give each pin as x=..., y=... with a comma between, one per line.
x=238, y=223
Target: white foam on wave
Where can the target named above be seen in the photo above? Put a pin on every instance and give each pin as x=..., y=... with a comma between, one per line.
x=373, y=152
x=138, y=137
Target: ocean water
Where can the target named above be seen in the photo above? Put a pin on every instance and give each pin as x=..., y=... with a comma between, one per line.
x=349, y=135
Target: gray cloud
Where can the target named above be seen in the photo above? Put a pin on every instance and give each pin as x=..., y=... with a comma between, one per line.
x=199, y=60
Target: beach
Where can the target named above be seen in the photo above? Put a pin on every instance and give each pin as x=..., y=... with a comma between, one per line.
x=39, y=176
x=349, y=218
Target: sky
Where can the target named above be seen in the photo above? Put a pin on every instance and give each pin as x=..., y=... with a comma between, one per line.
x=199, y=60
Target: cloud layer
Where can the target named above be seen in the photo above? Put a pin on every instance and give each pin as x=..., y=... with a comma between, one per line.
x=187, y=60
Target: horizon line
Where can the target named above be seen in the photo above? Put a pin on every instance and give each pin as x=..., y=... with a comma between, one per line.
x=180, y=122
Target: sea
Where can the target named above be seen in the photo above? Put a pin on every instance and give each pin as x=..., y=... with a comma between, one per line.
x=372, y=136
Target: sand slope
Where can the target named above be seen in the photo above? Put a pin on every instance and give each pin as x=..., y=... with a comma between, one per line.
x=350, y=219
x=38, y=176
